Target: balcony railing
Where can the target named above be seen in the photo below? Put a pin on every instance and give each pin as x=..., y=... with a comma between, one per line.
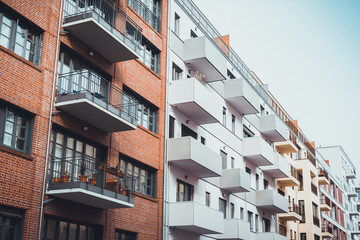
x=293, y=207
x=326, y=228
x=101, y=90
x=146, y=13
x=325, y=200
x=109, y=15
x=314, y=188
x=310, y=158
x=316, y=221
x=294, y=173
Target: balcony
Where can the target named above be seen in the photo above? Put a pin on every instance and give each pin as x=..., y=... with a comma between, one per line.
x=272, y=128
x=314, y=189
x=203, y=56
x=104, y=27
x=287, y=146
x=257, y=151
x=235, y=229
x=89, y=97
x=271, y=201
x=270, y=236
x=193, y=99
x=350, y=174
x=325, y=203
x=280, y=169
x=239, y=94
x=323, y=177
x=293, y=214
x=310, y=158
x=235, y=180
x=196, y=218
x=326, y=231
x=148, y=15
x=193, y=157
x=292, y=180
x=90, y=182
x=353, y=212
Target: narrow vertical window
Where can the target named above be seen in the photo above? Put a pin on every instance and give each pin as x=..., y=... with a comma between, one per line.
x=233, y=123
x=203, y=140
x=232, y=162
x=256, y=222
x=251, y=221
x=232, y=210
x=224, y=159
x=257, y=181
x=222, y=206
x=171, y=127
x=176, y=72
x=207, y=199
x=224, y=116
x=177, y=24
x=242, y=213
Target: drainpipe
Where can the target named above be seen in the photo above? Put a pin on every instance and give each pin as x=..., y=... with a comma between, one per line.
x=50, y=116
x=166, y=166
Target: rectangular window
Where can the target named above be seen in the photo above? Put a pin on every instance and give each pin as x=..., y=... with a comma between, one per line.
x=176, y=72
x=251, y=220
x=224, y=159
x=247, y=132
x=222, y=206
x=232, y=162
x=224, y=116
x=207, y=199
x=19, y=35
x=316, y=237
x=193, y=34
x=185, y=131
x=266, y=224
x=302, y=236
x=150, y=55
x=262, y=110
x=203, y=140
x=125, y=235
x=144, y=176
x=242, y=213
x=11, y=221
x=302, y=210
x=230, y=75
x=171, y=127
x=248, y=170
x=266, y=184
x=147, y=114
x=177, y=24
x=232, y=210
x=15, y=128
x=184, y=191
x=233, y=123
x=256, y=223
x=257, y=181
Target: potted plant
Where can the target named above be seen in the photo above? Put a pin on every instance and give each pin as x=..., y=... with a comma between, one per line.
x=65, y=177
x=82, y=176
x=92, y=179
x=56, y=180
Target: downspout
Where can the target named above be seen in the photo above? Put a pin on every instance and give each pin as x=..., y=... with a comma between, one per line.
x=166, y=167
x=50, y=116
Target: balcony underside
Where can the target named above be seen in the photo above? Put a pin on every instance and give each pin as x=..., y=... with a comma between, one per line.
x=285, y=147
x=194, y=111
x=242, y=105
x=90, y=195
x=350, y=175
x=352, y=194
x=288, y=182
x=354, y=213
x=325, y=207
x=95, y=112
x=327, y=235
x=258, y=160
x=323, y=180
x=290, y=216
x=101, y=37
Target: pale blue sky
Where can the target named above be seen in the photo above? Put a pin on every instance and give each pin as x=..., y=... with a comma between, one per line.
x=309, y=53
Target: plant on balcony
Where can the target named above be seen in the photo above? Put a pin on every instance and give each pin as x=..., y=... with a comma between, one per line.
x=65, y=177
x=199, y=76
x=82, y=176
x=56, y=180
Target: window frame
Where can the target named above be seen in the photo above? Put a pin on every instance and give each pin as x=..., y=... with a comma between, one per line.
x=128, y=235
x=187, y=186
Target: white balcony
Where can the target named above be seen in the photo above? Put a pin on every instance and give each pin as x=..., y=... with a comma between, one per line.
x=241, y=96
x=202, y=55
x=351, y=194
x=272, y=128
x=270, y=236
x=257, y=151
x=280, y=169
x=271, y=201
x=193, y=157
x=287, y=146
x=192, y=98
x=350, y=175
x=235, y=180
x=234, y=229
x=196, y=218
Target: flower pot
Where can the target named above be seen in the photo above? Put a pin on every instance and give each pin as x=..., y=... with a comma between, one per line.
x=83, y=178
x=65, y=178
x=124, y=192
x=56, y=180
x=92, y=181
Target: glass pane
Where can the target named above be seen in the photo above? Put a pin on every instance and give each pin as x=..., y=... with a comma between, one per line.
x=63, y=230
x=9, y=127
x=5, y=32
x=21, y=121
x=19, y=40
x=59, y=138
x=51, y=228
x=82, y=233
x=20, y=144
x=10, y=116
x=70, y=143
x=72, y=231
x=79, y=146
x=89, y=150
x=7, y=139
x=20, y=132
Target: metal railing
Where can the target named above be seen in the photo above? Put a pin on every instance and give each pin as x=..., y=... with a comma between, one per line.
x=109, y=15
x=323, y=173
x=88, y=81
x=148, y=15
x=293, y=207
x=316, y=221
x=314, y=188
x=294, y=172
x=89, y=170
x=326, y=228
x=211, y=33
x=325, y=200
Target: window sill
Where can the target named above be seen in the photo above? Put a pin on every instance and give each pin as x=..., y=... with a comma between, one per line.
x=149, y=69
x=148, y=131
x=146, y=197
x=4, y=49
x=147, y=24
x=17, y=153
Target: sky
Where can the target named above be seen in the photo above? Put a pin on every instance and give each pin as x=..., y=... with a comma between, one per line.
x=309, y=53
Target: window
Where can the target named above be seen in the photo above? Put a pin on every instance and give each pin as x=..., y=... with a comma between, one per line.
x=302, y=236
x=316, y=237
x=257, y=181
x=230, y=75
x=150, y=11
x=207, y=199
x=224, y=116
x=193, y=34
x=171, y=127
x=248, y=170
x=184, y=191
x=314, y=209
x=242, y=213
x=10, y=223
x=251, y=221
x=233, y=123
x=203, y=140
x=247, y=132
x=185, y=131
x=147, y=114
x=256, y=222
x=15, y=128
x=262, y=110
x=19, y=35
x=266, y=224
x=222, y=206
x=232, y=162
x=334, y=212
x=232, y=210
x=124, y=235
x=144, y=176
x=62, y=229
x=177, y=24
x=176, y=72
x=302, y=210
x=266, y=184
x=224, y=159
x=150, y=55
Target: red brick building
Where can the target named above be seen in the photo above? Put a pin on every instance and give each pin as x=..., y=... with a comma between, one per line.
x=82, y=105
